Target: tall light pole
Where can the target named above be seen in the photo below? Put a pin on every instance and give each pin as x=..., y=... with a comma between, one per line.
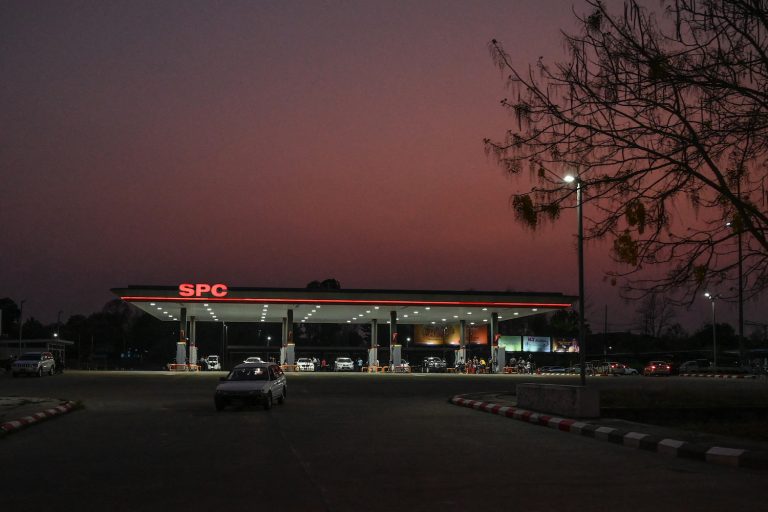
x=21, y=321
x=582, y=334
x=737, y=227
x=58, y=323
x=223, y=340
x=712, y=299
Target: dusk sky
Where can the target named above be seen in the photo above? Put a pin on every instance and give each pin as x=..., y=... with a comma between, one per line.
x=271, y=143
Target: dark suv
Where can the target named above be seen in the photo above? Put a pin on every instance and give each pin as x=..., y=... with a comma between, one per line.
x=433, y=365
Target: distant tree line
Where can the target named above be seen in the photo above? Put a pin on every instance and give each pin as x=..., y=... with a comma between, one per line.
x=120, y=331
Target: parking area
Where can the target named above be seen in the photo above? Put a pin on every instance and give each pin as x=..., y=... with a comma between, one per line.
x=352, y=441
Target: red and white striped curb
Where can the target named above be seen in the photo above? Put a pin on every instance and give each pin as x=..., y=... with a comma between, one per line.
x=718, y=376
x=11, y=426
x=714, y=454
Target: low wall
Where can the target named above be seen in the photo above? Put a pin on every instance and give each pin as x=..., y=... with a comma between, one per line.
x=566, y=401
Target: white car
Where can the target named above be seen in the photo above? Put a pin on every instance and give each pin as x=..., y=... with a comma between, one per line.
x=34, y=363
x=252, y=383
x=253, y=360
x=305, y=365
x=213, y=362
x=343, y=364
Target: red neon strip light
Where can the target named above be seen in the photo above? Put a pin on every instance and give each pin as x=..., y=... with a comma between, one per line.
x=347, y=302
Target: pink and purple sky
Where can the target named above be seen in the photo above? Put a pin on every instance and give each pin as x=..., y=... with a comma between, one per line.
x=271, y=143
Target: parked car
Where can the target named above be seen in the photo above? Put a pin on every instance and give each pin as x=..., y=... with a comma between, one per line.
x=433, y=364
x=403, y=367
x=614, y=368
x=657, y=368
x=617, y=368
x=576, y=370
x=253, y=360
x=213, y=362
x=696, y=366
x=252, y=383
x=551, y=369
x=34, y=363
x=304, y=364
x=343, y=364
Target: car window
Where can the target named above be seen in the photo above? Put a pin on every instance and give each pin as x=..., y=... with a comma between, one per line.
x=248, y=374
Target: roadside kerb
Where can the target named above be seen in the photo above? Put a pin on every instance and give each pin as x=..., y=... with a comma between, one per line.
x=14, y=425
x=713, y=454
x=718, y=376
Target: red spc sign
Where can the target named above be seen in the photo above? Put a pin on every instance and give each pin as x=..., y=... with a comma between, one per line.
x=200, y=289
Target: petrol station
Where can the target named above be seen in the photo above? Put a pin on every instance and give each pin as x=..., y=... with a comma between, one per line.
x=190, y=303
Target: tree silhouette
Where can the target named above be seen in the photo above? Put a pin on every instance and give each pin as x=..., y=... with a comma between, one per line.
x=665, y=121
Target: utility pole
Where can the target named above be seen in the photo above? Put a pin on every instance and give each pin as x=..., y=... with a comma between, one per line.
x=21, y=321
x=605, y=333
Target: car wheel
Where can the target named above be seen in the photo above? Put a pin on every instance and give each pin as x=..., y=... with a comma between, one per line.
x=283, y=396
x=268, y=402
x=39, y=372
x=51, y=371
x=220, y=404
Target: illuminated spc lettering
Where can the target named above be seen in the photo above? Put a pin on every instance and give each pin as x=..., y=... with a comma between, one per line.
x=200, y=289
x=219, y=290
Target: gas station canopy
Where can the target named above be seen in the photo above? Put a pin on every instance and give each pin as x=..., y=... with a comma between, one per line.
x=220, y=303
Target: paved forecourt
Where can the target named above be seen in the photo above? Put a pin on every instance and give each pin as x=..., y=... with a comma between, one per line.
x=341, y=442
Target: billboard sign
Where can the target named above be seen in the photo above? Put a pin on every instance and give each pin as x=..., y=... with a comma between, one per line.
x=511, y=343
x=565, y=345
x=536, y=344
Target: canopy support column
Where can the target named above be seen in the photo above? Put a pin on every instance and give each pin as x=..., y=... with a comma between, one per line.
x=287, y=348
x=181, y=345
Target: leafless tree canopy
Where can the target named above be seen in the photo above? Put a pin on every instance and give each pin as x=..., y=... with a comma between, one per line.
x=663, y=115
x=655, y=315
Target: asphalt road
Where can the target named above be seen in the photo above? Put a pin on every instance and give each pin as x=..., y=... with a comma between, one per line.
x=153, y=441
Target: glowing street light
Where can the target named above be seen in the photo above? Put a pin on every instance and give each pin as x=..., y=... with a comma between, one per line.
x=570, y=178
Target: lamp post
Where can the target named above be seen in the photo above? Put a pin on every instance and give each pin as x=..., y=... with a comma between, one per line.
x=223, y=341
x=21, y=321
x=58, y=323
x=712, y=299
x=738, y=229
x=582, y=334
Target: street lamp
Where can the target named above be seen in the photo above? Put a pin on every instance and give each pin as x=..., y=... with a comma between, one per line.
x=21, y=321
x=712, y=299
x=741, y=289
x=582, y=335
x=224, y=328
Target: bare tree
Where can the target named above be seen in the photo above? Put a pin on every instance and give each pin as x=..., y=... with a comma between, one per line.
x=663, y=116
x=655, y=315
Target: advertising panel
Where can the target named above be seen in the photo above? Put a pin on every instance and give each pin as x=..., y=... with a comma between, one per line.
x=565, y=345
x=511, y=343
x=536, y=344
x=429, y=334
x=476, y=334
